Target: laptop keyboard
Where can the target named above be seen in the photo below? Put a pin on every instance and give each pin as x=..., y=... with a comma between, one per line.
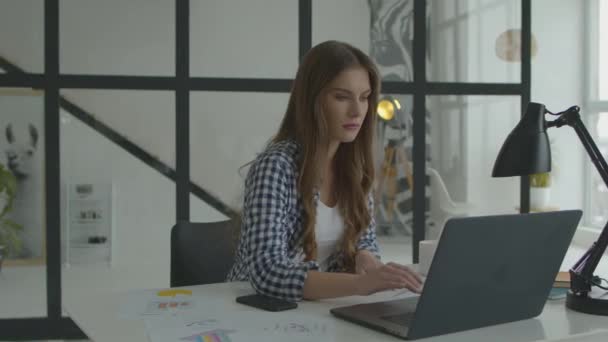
x=401, y=319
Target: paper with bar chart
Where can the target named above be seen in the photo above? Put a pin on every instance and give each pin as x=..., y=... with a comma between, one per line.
x=138, y=304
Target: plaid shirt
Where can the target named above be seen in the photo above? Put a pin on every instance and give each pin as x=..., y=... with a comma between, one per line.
x=270, y=255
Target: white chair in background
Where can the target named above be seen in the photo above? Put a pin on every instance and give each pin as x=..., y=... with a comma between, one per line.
x=442, y=205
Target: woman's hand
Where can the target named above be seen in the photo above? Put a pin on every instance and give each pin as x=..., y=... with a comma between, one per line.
x=389, y=277
x=365, y=261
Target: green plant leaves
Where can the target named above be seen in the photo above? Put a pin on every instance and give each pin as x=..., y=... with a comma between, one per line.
x=540, y=180
x=9, y=230
x=9, y=236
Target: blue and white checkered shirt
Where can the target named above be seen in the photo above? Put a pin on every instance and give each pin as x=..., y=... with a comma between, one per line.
x=270, y=255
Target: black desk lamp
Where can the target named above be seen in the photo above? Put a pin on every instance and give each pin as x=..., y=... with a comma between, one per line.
x=526, y=151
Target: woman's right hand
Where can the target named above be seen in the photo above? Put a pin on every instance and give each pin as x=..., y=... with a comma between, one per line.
x=390, y=276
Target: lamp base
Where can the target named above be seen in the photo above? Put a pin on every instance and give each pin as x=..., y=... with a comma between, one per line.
x=586, y=304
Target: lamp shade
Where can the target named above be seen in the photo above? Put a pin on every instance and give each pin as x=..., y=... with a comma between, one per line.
x=387, y=107
x=526, y=150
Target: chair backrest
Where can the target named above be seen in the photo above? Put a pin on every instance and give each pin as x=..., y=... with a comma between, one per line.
x=437, y=195
x=440, y=203
x=439, y=189
x=201, y=253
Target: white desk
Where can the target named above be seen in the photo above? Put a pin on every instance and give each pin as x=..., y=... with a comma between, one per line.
x=90, y=296
x=97, y=316
x=23, y=288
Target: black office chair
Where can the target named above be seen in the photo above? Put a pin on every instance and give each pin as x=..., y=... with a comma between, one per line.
x=202, y=253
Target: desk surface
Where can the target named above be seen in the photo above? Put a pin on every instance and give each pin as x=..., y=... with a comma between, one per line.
x=91, y=297
x=97, y=315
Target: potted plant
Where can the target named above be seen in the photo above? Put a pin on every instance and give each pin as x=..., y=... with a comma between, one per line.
x=10, y=239
x=540, y=190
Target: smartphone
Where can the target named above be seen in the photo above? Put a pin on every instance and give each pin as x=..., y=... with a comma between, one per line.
x=266, y=303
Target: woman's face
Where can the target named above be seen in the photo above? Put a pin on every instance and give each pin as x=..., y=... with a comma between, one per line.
x=345, y=104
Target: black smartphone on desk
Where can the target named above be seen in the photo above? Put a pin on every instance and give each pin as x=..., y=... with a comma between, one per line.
x=266, y=303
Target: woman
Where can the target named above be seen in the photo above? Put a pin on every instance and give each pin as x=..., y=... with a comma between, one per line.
x=308, y=230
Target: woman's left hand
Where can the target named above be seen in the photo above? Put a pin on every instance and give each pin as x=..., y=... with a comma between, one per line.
x=365, y=261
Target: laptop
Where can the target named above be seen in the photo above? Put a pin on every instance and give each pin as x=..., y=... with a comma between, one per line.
x=486, y=270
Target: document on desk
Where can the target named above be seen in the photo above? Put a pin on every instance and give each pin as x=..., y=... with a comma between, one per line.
x=239, y=326
x=138, y=304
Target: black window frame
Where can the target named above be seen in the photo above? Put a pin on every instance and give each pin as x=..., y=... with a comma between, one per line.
x=54, y=326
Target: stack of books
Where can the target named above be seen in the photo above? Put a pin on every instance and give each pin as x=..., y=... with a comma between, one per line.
x=562, y=280
x=561, y=285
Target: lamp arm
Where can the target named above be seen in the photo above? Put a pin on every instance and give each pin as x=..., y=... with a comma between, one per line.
x=581, y=274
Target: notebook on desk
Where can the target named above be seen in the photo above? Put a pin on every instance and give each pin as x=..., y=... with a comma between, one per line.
x=486, y=270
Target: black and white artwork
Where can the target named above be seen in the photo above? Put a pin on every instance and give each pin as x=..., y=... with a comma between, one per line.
x=391, y=40
x=22, y=153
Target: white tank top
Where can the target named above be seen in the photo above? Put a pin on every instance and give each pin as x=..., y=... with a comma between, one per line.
x=329, y=227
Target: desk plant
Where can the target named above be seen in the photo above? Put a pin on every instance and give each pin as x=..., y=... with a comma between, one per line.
x=540, y=190
x=10, y=239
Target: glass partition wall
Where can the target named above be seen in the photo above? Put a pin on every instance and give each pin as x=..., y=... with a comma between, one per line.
x=156, y=116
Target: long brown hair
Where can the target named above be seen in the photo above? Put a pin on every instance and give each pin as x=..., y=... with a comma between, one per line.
x=305, y=123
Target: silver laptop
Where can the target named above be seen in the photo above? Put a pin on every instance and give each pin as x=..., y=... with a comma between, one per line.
x=486, y=270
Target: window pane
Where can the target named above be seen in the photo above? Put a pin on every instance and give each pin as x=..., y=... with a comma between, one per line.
x=22, y=33
x=597, y=215
x=343, y=20
x=22, y=244
x=227, y=130
x=140, y=116
x=475, y=41
x=116, y=209
x=603, y=49
x=241, y=38
x=602, y=127
x=394, y=177
x=394, y=165
x=381, y=29
x=466, y=135
x=598, y=211
x=120, y=37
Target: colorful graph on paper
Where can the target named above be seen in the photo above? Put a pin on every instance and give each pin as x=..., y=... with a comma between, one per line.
x=156, y=307
x=218, y=335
